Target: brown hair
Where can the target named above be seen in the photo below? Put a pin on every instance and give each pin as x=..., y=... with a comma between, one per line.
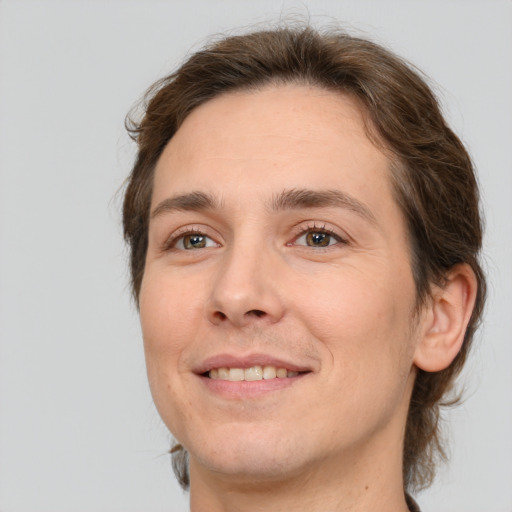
x=432, y=174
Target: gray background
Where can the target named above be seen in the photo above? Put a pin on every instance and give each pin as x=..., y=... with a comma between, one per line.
x=78, y=431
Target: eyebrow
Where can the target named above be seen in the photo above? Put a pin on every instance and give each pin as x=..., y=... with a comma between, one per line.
x=296, y=199
x=293, y=199
x=193, y=201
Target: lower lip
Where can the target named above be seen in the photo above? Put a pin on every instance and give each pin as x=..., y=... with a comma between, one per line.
x=248, y=389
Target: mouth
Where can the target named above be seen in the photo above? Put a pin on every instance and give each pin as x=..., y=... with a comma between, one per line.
x=249, y=375
x=252, y=373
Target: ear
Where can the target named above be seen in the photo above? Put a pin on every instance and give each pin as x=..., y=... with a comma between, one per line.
x=445, y=320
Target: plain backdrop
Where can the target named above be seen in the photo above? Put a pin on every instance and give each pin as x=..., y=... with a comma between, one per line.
x=78, y=430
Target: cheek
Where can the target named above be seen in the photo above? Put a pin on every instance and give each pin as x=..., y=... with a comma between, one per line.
x=346, y=307
x=363, y=322
x=168, y=307
x=169, y=319
x=365, y=334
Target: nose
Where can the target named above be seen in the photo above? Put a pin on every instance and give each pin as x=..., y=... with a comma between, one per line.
x=245, y=289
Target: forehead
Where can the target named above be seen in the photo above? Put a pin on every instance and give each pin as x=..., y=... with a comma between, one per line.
x=281, y=137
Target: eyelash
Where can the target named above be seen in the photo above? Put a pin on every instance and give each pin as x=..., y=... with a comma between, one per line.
x=171, y=242
x=323, y=228
x=301, y=230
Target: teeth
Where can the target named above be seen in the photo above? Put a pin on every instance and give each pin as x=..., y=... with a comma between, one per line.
x=236, y=374
x=269, y=372
x=281, y=373
x=223, y=374
x=253, y=373
x=250, y=374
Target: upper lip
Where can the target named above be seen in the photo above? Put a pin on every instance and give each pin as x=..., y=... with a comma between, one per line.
x=246, y=361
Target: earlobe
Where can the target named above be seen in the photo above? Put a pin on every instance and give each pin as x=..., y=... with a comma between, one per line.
x=445, y=320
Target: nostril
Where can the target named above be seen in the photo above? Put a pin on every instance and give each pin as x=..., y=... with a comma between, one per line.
x=219, y=317
x=256, y=312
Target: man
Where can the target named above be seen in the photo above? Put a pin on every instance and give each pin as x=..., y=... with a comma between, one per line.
x=304, y=232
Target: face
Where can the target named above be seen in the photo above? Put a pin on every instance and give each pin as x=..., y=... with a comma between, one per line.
x=277, y=304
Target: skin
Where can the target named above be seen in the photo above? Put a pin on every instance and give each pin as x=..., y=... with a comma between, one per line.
x=332, y=440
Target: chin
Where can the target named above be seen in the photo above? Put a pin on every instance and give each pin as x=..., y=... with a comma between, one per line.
x=252, y=459
x=256, y=469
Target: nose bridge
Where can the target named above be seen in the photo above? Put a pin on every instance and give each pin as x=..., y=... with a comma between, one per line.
x=243, y=288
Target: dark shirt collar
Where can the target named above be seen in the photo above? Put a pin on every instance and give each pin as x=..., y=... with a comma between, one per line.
x=413, y=506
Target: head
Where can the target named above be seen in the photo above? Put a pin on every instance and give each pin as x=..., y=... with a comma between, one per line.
x=430, y=175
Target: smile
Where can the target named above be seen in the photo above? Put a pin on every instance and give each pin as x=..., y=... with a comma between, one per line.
x=249, y=376
x=252, y=373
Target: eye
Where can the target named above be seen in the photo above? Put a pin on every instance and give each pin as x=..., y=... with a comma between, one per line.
x=190, y=241
x=318, y=238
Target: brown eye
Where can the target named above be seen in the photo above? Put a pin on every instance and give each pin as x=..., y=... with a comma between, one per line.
x=318, y=239
x=192, y=241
